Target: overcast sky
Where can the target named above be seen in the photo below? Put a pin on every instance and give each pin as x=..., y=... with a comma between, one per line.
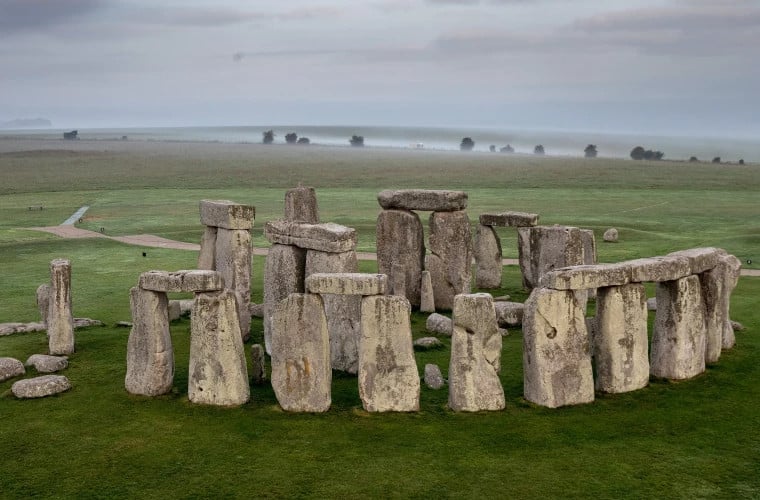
x=654, y=66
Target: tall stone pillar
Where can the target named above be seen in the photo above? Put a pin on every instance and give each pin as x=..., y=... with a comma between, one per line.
x=450, y=259
x=60, y=321
x=401, y=243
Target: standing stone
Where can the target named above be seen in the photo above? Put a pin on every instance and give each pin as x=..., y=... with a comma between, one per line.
x=474, y=383
x=301, y=205
x=150, y=355
x=427, y=301
x=283, y=275
x=733, y=268
x=10, y=367
x=433, y=376
x=43, y=301
x=388, y=376
x=423, y=199
x=401, y=246
x=451, y=256
x=60, y=324
x=343, y=311
x=233, y=262
x=713, y=283
x=206, y=256
x=556, y=350
x=679, y=337
x=258, y=364
x=589, y=253
x=301, y=374
x=487, y=258
x=217, y=373
x=523, y=250
x=553, y=247
x=398, y=280
x=509, y=313
x=620, y=340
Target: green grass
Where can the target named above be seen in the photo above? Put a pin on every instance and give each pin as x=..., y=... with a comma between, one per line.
x=691, y=439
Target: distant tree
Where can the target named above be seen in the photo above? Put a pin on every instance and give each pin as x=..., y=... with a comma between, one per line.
x=291, y=138
x=267, y=137
x=716, y=159
x=303, y=140
x=357, y=141
x=467, y=144
x=637, y=153
x=693, y=159
x=590, y=151
x=657, y=155
x=507, y=149
x=539, y=150
x=492, y=148
x=741, y=161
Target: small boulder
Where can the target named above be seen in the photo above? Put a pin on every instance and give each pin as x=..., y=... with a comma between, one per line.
x=425, y=343
x=439, y=324
x=652, y=304
x=433, y=377
x=47, y=364
x=40, y=387
x=736, y=326
x=611, y=235
x=10, y=367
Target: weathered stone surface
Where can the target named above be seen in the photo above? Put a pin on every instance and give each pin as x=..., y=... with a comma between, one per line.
x=257, y=310
x=227, y=214
x=509, y=313
x=439, y=324
x=652, y=304
x=347, y=283
x=487, y=258
x=150, y=354
x=523, y=256
x=233, y=262
x=474, y=383
x=207, y=254
x=589, y=253
x=433, y=377
x=398, y=280
x=388, y=376
x=284, y=274
x=258, y=364
x=427, y=300
x=425, y=343
x=700, y=259
x=181, y=281
x=737, y=327
x=713, y=283
x=401, y=246
x=217, y=372
x=175, y=310
x=679, y=336
x=733, y=268
x=423, y=199
x=40, y=387
x=10, y=367
x=47, y=364
x=620, y=341
x=658, y=269
x=610, y=235
x=556, y=350
x=327, y=237
x=552, y=247
x=451, y=256
x=586, y=277
x=11, y=328
x=43, y=301
x=509, y=219
x=301, y=373
x=60, y=322
x=84, y=322
x=301, y=205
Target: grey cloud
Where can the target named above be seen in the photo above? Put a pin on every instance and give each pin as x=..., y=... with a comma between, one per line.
x=28, y=15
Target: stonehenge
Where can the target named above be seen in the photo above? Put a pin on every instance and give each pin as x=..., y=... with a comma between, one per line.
x=488, y=252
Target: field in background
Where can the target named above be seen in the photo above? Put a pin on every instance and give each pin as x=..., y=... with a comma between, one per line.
x=691, y=439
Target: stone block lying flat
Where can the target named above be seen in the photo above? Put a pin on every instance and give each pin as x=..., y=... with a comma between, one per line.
x=423, y=199
x=47, y=364
x=10, y=367
x=586, y=277
x=40, y=387
x=700, y=259
x=327, y=237
x=182, y=281
x=509, y=219
x=347, y=283
x=226, y=214
x=658, y=269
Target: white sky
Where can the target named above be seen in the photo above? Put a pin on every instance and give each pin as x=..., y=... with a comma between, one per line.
x=653, y=66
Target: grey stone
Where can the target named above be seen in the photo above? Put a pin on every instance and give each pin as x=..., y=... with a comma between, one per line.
x=679, y=335
x=589, y=253
x=47, y=364
x=347, y=283
x=60, y=322
x=433, y=377
x=524, y=256
x=425, y=343
x=207, y=253
x=658, y=269
x=732, y=265
x=11, y=328
x=227, y=214
x=150, y=354
x=439, y=324
x=257, y=310
x=284, y=274
x=398, y=280
x=509, y=313
x=233, y=262
x=388, y=376
x=509, y=219
x=181, y=281
x=301, y=205
x=736, y=326
x=652, y=304
x=124, y=324
x=586, y=277
x=427, y=300
x=700, y=259
x=474, y=383
x=301, y=374
x=620, y=341
x=423, y=199
x=40, y=387
x=175, y=311
x=450, y=259
x=487, y=258
x=43, y=301
x=326, y=237
x=258, y=364
x=217, y=371
x=610, y=235
x=550, y=248
x=10, y=367
x=556, y=350
x=401, y=246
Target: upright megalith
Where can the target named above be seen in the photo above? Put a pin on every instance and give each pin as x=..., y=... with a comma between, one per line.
x=284, y=274
x=401, y=249
x=556, y=350
x=60, y=321
x=732, y=267
x=487, y=258
x=388, y=376
x=427, y=300
x=679, y=336
x=474, y=383
x=301, y=373
x=589, y=252
x=549, y=248
x=301, y=205
x=217, y=373
x=207, y=254
x=451, y=256
x=150, y=355
x=621, y=345
x=43, y=301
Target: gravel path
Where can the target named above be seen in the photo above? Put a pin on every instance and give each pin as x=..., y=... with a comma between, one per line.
x=75, y=216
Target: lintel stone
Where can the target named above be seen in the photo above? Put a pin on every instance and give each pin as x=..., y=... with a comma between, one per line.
x=509, y=219
x=226, y=214
x=195, y=280
x=700, y=259
x=658, y=269
x=423, y=199
x=586, y=277
x=347, y=283
x=325, y=237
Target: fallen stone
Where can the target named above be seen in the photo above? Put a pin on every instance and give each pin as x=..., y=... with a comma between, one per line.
x=258, y=365
x=423, y=199
x=433, y=377
x=233, y=262
x=401, y=249
x=185, y=306
x=10, y=367
x=11, y=328
x=658, y=269
x=502, y=298
x=257, y=310
x=227, y=214
x=181, y=281
x=284, y=274
x=509, y=219
x=700, y=259
x=326, y=237
x=450, y=259
x=425, y=343
x=427, y=301
x=586, y=277
x=589, y=253
x=85, y=322
x=509, y=313
x=40, y=387
x=347, y=283
x=60, y=321
x=503, y=332
x=207, y=253
x=736, y=326
x=610, y=235
x=43, y=301
x=487, y=258
x=440, y=324
x=47, y=364
x=301, y=205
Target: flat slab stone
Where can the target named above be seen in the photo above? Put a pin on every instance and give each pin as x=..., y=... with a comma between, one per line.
x=347, y=283
x=284, y=273
x=425, y=343
x=196, y=280
x=60, y=320
x=487, y=250
x=47, y=364
x=11, y=328
x=450, y=258
x=700, y=259
x=40, y=387
x=509, y=313
x=226, y=214
x=548, y=248
x=326, y=237
x=440, y=324
x=423, y=199
x=509, y=219
x=658, y=269
x=586, y=277
x=10, y=367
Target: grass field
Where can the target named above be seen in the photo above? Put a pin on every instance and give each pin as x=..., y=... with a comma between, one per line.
x=692, y=439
